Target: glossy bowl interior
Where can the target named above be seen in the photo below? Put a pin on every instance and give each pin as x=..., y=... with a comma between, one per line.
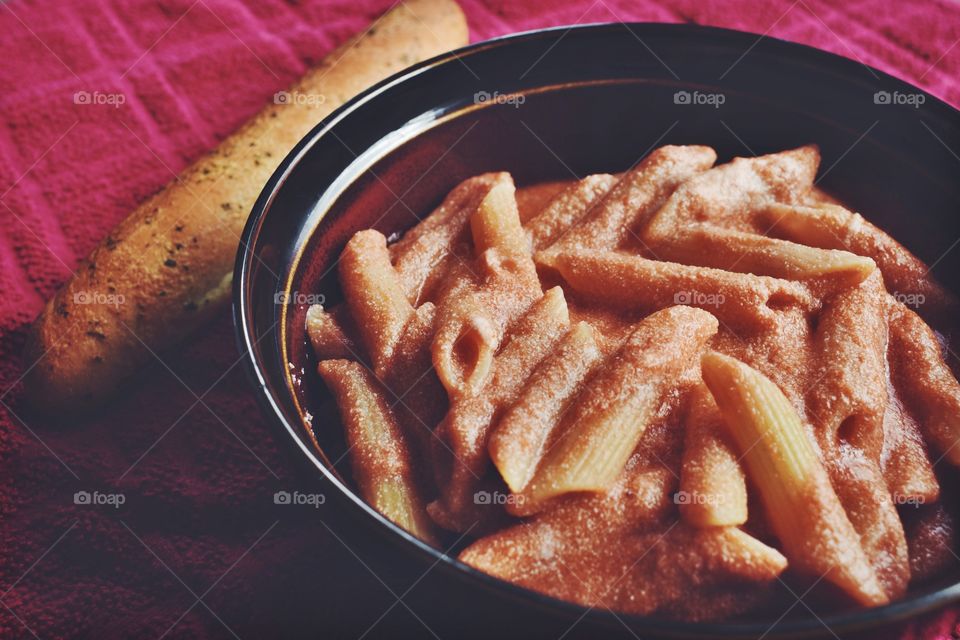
x=560, y=104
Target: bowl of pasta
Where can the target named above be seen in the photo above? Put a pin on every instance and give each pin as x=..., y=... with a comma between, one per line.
x=636, y=329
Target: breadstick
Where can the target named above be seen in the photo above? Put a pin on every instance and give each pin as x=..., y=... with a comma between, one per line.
x=167, y=268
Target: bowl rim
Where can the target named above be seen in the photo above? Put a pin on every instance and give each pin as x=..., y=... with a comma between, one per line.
x=857, y=620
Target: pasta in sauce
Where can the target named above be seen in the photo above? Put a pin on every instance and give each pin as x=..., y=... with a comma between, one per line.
x=658, y=392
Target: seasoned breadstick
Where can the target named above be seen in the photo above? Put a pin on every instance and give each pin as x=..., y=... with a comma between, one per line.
x=802, y=507
x=465, y=430
x=382, y=465
x=732, y=193
x=830, y=226
x=929, y=384
x=637, y=195
x=713, y=487
x=374, y=295
x=518, y=439
x=171, y=261
x=632, y=282
x=567, y=209
x=418, y=254
x=745, y=252
x=606, y=421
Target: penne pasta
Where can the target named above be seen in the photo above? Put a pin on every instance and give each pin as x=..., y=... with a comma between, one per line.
x=327, y=336
x=921, y=372
x=830, y=226
x=801, y=505
x=464, y=432
x=532, y=199
x=607, y=419
x=415, y=393
x=713, y=487
x=859, y=484
x=518, y=439
x=637, y=195
x=496, y=223
x=472, y=322
x=732, y=194
x=423, y=247
x=745, y=252
x=374, y=295
x=906, y=464
x=849, y=397
x=567, y=209
x=635, y=283
x=718, y=347
x=672, y=570
x=382, y=466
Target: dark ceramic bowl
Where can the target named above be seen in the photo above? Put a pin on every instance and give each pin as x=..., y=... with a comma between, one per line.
x=557, y=104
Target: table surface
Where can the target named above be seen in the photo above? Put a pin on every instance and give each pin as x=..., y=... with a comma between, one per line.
x=198, y=547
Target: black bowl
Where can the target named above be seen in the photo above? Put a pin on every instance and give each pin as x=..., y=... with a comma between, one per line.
x=564, y=103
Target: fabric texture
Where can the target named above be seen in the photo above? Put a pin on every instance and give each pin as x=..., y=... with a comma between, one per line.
x=198, y=547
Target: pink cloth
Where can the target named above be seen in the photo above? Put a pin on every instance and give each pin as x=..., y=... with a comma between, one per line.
x=198, y=505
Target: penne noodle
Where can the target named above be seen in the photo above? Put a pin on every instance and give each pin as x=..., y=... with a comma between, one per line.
x=830, y=226
x=906, y=463
x=376, y=300
x=713, y=487
x=605, y=422
x=417, y=254
x=635, y=283
x=382, y=466
x=533, y=199
x=859, y=484
x=472, y=321
x=567, y=209
x=327, y=336
x=496, y=223
x=849, y=396
x=416, y=395
x=920, y=371
x=670, y=570
x=635, y=197
x=746, y=252
x=730, y=194
x=801, y=505
x=464, y=432
x=518, y=439
x=467, y=337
